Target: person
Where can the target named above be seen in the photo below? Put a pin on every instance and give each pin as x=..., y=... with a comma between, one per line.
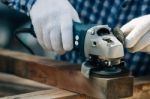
x=53, y=21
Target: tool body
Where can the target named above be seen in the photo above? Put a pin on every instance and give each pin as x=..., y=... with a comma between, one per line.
x=103, y=49
x=99, y=44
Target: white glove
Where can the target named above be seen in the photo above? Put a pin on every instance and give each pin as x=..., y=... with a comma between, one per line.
x=137, y=33
x=52, y=21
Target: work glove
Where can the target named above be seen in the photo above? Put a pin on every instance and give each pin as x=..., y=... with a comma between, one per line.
x=137, y=33
x=53, y=21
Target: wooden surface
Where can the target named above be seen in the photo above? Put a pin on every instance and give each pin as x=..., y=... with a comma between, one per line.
x=27, y=89
x=62, y=75
x=13, y=87
x=141, y=88
x=39, y=69
x=46, y=94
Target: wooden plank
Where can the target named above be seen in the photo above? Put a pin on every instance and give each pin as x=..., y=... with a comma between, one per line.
x=12, y=79
x=54, y=93
x=141, y=89
x=14, y=87
x=64, y=75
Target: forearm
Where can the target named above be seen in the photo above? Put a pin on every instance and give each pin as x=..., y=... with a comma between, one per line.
x=20, y=5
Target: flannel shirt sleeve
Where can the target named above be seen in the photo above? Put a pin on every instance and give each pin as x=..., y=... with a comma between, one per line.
x=20, y=5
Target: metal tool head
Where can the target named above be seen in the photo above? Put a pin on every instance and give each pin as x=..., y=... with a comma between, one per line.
x=101, y=42
x=104, y=50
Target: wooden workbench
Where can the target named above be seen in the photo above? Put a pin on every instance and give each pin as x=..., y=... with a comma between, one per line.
x=59, y=74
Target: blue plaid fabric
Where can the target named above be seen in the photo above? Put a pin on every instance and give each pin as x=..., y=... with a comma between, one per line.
x=23, y=6
x=110, y=12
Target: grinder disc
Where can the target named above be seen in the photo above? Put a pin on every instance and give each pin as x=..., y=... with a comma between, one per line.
x=114, y=71
x=100, y=69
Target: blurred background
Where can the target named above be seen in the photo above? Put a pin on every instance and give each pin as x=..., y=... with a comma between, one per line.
x=10, y=21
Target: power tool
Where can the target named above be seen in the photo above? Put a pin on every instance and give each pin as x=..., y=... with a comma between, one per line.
x=101, y=45
x=103, y=49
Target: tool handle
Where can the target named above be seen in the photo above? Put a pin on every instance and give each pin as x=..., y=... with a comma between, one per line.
x=79, y=34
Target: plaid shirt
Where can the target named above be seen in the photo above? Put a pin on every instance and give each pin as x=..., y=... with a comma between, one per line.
x=23, y=6
x=111, y=12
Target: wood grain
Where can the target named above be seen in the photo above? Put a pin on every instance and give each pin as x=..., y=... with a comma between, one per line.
x=63, y=75
x=13, y=87
x=141, y=89
x=46, y=94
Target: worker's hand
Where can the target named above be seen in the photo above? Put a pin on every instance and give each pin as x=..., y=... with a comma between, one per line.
x=137, y=33
x=53, y=21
